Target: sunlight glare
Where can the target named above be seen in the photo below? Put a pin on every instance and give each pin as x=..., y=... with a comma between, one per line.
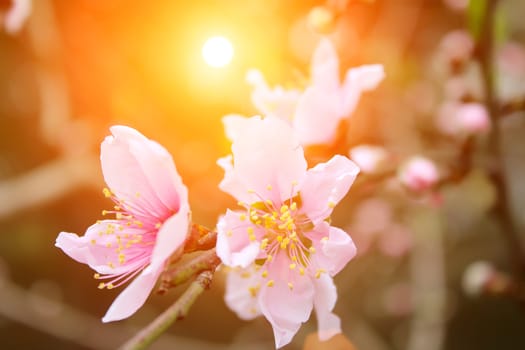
x=217, y=51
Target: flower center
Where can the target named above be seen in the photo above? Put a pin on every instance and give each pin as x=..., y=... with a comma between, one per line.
x=284, y=226
x=128, y=239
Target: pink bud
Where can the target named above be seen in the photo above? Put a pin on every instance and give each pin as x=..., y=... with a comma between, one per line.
x=418, y=173
x=463, y=118
x=473, y=118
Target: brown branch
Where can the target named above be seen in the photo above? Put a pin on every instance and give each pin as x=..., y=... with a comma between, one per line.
x=485, y=49
x=175, y=312
x=207, y=261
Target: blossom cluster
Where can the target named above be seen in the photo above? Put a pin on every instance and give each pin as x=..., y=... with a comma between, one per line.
x=278, y=246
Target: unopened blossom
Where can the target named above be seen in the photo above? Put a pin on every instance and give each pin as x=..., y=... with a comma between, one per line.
x=17, y=15
x=276, y=101
x=151, y=218
x=327, y=101
x=418, y=173
x=280, y=244
x=369, y=158
x=463, y=118
x=473, y=118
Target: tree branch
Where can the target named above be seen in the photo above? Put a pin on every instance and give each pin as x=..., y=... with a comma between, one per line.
x=177, y=311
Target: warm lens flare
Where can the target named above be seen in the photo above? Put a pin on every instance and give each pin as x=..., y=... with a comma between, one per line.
x=217, y=51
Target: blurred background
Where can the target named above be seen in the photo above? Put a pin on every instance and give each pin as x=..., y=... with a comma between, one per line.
x=74, y=68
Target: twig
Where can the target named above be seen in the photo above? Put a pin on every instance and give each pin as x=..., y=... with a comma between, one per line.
x=200, y=238
x=40, y=185
x=175, y=312
x=64, y=322
x=187, y=269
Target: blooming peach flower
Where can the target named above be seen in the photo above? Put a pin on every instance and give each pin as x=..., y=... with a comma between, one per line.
x=151, y=220
x=281, y=244
x=316, y=113
x=17, y=15
x=326, y=101
x=418, y=173
x=277, y=101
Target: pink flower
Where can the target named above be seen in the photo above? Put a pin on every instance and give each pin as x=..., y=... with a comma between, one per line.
x=282, y=242
x=151, y=220
x=326, y=102
x=369, y=158
x=463, y=118
x=316, y=113
x=276, y=101
x=473, y=118
x=418, y=173
x=17, y=15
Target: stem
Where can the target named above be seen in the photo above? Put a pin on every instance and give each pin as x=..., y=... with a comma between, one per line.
x=175, y=312
x=200, y=238
x=186, y=270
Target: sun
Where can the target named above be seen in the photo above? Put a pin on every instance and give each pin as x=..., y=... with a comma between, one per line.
x=217, y=51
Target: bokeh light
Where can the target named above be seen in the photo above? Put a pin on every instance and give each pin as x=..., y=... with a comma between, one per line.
x=217, y=51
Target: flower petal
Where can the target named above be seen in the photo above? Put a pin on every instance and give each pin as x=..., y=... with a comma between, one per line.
x=334, y=251
x=325, y=185
x=234, y=246
x=242, y=292
x=234, y=125
x=266, y=152
x=157, y=166
x=97, y=248
x=134, y=296
x=328, y=323
x=325, y=66
x=171, y=235
x=317, y=115
x=284, y=307
x=358, y=80
x=160, y=171
x=125, y=177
